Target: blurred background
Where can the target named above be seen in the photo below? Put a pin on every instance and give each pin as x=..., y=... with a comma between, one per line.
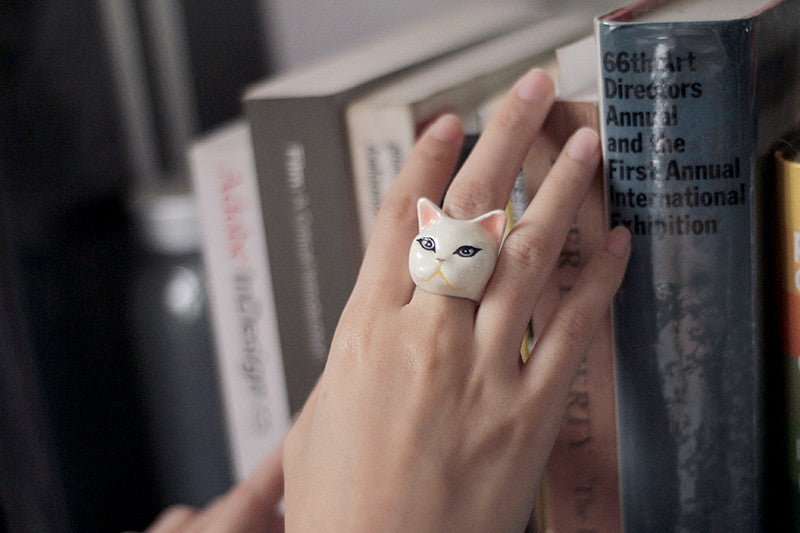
x=108, y=400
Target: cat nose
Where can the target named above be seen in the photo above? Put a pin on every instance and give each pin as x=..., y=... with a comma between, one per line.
x=439, y=260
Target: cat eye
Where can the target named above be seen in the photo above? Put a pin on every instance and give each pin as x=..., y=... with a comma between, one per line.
x=466, y=251
x=427, y=243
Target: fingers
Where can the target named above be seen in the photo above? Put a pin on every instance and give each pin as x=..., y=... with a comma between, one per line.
x=485, y=180
x=265, y=485
x=426, y=172
x=249, y=506
x=566, y=337
x=173, y=519
x=483, y=184
x=533, y=246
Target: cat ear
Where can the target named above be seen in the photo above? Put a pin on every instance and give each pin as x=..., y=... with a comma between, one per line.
x=494, y=222
x=427, y=213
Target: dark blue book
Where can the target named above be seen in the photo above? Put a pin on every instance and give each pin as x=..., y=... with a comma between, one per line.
x=693, y=94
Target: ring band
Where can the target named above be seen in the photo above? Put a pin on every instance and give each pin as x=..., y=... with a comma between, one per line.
x=455, y=257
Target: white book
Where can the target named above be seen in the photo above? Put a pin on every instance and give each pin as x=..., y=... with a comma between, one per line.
x=243, y=317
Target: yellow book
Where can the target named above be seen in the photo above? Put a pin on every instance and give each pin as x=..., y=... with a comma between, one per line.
x=787, y=168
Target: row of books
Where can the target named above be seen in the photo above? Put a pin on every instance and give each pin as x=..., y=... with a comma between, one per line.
x=269, y=304
x=667, y=420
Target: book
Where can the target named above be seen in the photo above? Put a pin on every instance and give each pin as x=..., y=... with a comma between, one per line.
x=243, y=313
x=305, y=178
x=580, y=484
x=384, y=124
x=692, y=95
x=787, y=229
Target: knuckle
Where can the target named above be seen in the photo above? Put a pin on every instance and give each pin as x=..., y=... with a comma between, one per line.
x=395, y=209
x=571, y=176
x=526, y=252
x=512, y=122
x=176, y=515
x=576, y=323
x=467, y=199
x=249, y=499
x=433, y=152
x=435, y=340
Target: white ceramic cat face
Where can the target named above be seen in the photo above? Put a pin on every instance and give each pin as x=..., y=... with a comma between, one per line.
x=455, y=257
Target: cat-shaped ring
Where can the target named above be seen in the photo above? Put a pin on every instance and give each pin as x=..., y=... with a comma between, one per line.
x=455, y=257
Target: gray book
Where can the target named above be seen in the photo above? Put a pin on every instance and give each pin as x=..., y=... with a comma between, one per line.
x=693, y=94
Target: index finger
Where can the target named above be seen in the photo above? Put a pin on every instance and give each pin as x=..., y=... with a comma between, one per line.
x=426, y=172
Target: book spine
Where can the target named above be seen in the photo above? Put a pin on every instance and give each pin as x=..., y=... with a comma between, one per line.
x=788, y=183
x=678, y=127
x=243, y=313
x=380, y=140
x=311, y=223
x=580, y=484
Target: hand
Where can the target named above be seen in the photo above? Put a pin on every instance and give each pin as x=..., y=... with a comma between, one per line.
x=250, y=506
x=424, y=418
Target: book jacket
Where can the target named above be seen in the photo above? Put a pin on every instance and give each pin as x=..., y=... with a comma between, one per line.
x=787, y=169
x=688, y=110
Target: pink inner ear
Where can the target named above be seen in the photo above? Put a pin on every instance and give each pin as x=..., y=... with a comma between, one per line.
x=427, y=214
x=495, y=224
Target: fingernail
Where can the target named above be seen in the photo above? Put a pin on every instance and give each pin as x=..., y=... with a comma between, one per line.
x=446, y=128
x=618, y=242
x=583, y=145
x=535, y=86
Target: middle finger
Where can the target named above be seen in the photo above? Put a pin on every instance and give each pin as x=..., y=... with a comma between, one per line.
x=485, y=180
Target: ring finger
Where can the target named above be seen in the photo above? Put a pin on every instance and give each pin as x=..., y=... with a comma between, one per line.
x=484, y=182
x=532, y=248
